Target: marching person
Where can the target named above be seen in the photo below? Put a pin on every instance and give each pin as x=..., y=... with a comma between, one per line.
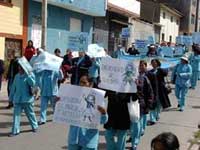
x=160, y=91
x=152, y=52
x=23, y=99
x=1, y=72
x=67, y=63
x=182, y=75
x=146, y=99
x=12, y=71
x=195, y=63
x=80, y=66
x=133, y=51
x=29, y=50
x=57, y=52
x=82, y=138
x=49, y=91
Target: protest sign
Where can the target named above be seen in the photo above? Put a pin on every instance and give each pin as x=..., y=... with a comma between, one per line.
x=47, y=61
x=78, y=41
x=141, y=45
x=125, y=32
x=186, y=40
x=118, y=75
x=167, y=51
x=25, y=65
x=196, y=37
x=151, y=40
x=78, y=106
x=95, y=50
x=179, y=50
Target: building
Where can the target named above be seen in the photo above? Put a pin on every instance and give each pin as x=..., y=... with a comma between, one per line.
x=13, y=27
x=170, y=22
x=108, y=30
x=69, y=22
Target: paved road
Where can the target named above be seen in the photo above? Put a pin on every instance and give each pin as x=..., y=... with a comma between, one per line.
x=53, y=136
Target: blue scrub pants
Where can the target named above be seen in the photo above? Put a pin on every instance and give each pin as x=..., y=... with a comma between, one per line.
x=194, y=78
x=180, y=92
x=77, y=147
x=44, y=105
x=155, y=114
x=28, y=109
x=137, y=130
x=120, y=142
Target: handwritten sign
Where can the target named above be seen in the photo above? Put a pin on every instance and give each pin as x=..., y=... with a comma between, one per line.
x=182, y=39
x=118, y=75
x=78, y=106
x=196, y=37
x=25, y=65
x=167, y=51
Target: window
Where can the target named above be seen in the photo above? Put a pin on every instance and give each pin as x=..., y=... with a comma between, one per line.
x=172, y=19
x=163, y=15
x=6, y=3
x=177, y=21
x=192, y=19
x=170, y=38
x=75, y=25
x=163, y=37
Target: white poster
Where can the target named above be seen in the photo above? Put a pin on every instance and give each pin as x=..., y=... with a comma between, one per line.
x=47, y=61
x=25, y=65
x=118, y=75
x=78, y=106
x=36, y=34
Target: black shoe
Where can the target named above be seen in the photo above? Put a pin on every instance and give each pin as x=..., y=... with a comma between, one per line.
x=41, y=123
x=35, y=130
x=13, y=134
x=10, y=105
x=178, y=106
x=199, y=126
x=150, y=123
x=129, y=140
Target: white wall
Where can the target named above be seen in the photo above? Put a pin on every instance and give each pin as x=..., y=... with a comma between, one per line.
x=168, y=27
x=130, y=5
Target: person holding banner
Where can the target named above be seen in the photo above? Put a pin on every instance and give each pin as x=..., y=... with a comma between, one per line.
x=82, y=138
x=152, y=51
x=182, y=75
x=49, y=91
x=80, y=66
x=23, y=99
x=146, y=99
x=195, y=63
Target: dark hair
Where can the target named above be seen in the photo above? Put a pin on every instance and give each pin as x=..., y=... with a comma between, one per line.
x=88, y=79
x=157, y=61
x=57, y=50
x=143, y=62
x=168, y=140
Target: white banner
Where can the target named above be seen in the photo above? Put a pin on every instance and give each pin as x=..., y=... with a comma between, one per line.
x=78, y=106
x=47, y=61
x=118, y=75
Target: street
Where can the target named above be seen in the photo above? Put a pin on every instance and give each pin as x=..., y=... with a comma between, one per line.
x=53, y=136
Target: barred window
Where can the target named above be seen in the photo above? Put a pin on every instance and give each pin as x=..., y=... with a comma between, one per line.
x=5, y=1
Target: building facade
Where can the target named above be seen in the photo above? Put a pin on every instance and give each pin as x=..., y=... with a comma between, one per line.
x=67, y=20
x=13, y=27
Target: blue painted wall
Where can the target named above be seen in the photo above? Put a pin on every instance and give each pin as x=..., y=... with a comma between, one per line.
x=58, y=24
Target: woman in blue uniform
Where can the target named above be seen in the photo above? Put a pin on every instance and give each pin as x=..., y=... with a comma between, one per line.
x=23, y=99
x=182, y=75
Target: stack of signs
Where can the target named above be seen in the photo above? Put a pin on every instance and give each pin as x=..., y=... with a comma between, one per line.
x=184, y=40
x=118, y=75
x=167, y=51
x=95, y=50
x=78, y=106
x=196, y=37
x=141, y=45
x=47, y=61
x=25, y=65
x=78, y=41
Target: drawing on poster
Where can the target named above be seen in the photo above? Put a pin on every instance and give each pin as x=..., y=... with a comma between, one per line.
x=130, y=72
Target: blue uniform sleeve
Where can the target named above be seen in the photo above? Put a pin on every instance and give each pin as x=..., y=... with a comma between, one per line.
x=104, y=118
x=31, y=80
x=13, y=89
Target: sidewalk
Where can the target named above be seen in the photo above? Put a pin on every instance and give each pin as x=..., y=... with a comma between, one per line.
x=52, y=136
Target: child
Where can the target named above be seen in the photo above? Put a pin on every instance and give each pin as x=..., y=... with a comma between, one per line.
x=82, y=138
x=23, y=99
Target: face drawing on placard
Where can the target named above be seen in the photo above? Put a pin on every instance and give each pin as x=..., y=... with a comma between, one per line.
x=130, y=72
x=90, y=100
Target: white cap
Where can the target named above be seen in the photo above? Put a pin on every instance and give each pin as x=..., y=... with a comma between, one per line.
x=185, y=58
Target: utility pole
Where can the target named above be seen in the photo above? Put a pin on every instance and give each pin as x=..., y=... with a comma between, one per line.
x=44, y=24
x=197, y=17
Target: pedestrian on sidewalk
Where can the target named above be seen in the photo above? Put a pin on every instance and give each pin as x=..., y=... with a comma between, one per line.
x=29, y=50
x=12, y=71
x=23, y=100
x=1, y=72
x=182, y=75
x=82, y=138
